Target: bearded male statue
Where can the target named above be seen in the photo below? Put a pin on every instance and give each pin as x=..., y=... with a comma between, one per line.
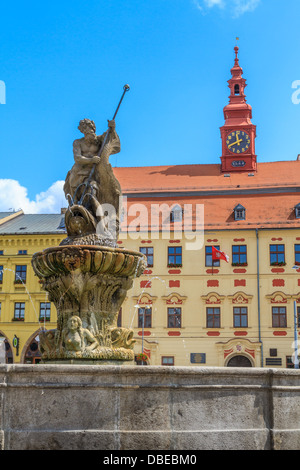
x=91, y=188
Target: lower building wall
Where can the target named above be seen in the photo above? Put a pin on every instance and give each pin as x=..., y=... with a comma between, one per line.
x=86, y=407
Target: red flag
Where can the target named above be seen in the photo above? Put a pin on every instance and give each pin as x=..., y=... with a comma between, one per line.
x=217, y=255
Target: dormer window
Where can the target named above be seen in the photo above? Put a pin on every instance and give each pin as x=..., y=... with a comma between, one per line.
x=176, y=214
x=297, y=211
x=239, y=212
x=236, y=89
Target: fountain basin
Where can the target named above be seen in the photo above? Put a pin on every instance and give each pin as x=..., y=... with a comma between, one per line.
x=88, y=285
x=88, y=258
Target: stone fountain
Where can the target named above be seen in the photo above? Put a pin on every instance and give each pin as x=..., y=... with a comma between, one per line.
x=87, y=277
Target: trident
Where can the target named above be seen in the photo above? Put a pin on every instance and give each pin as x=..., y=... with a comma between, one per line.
x=87, y=183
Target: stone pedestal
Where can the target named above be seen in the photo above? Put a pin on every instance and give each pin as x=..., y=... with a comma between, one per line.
x=73, y=407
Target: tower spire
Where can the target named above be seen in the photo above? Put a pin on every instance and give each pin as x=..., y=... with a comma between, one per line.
x=236, y=50
x=238, y=115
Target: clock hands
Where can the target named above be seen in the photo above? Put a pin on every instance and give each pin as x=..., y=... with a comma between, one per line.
x=237, y=142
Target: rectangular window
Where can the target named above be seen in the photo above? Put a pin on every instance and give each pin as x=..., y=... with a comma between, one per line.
x=239, y=214
x=19, y=311
x=277, y=256
x=208, y=256
x=174, y=317
x=213, y=317
x=148, y=252
x=1, y=252
x=297, y=254
x=174, y=256
x=22, y=252
x=240, y=317
x=239, y=255
x=1, y=274
x=279, y=317
x=20, y=275
x=167, y=361
x=145, y=317
x=45, y=308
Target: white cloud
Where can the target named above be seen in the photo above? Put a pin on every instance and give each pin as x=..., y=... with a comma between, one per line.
x=235, y=7
x=243, y=6
x=13, y=196
x=212, y=3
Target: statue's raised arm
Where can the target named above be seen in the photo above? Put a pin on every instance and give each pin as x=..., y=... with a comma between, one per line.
x=91, y=188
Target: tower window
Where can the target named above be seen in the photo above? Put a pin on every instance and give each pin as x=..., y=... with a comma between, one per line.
x=236, y=89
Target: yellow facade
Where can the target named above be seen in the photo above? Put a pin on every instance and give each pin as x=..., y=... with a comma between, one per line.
x=193, y=287
x=27, y=292
x=226, y=288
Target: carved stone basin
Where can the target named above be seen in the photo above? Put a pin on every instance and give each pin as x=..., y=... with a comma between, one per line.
x=93, y=259
x=88, y=285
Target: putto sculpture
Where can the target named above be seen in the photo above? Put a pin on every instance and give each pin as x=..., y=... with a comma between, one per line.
x=88, y=276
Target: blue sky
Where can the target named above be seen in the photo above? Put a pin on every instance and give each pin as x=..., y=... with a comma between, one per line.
x=63, y=61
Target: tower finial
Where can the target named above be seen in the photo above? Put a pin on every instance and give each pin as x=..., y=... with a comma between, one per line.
x=236, y=60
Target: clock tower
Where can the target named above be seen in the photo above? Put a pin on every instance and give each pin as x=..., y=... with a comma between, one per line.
x=238, y=133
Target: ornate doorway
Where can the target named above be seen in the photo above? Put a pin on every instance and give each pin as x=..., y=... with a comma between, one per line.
x=32, y=352
x=239, y=361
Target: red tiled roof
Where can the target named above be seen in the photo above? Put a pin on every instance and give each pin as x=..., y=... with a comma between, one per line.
x=205, y=177
x=264, y=211
x=269, y=196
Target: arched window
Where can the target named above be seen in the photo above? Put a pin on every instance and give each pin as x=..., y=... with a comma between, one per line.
x=236, y=89
x=8, y=351
x=32, y=354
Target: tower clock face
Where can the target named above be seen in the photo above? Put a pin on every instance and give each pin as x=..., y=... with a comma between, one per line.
x=238, y=142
